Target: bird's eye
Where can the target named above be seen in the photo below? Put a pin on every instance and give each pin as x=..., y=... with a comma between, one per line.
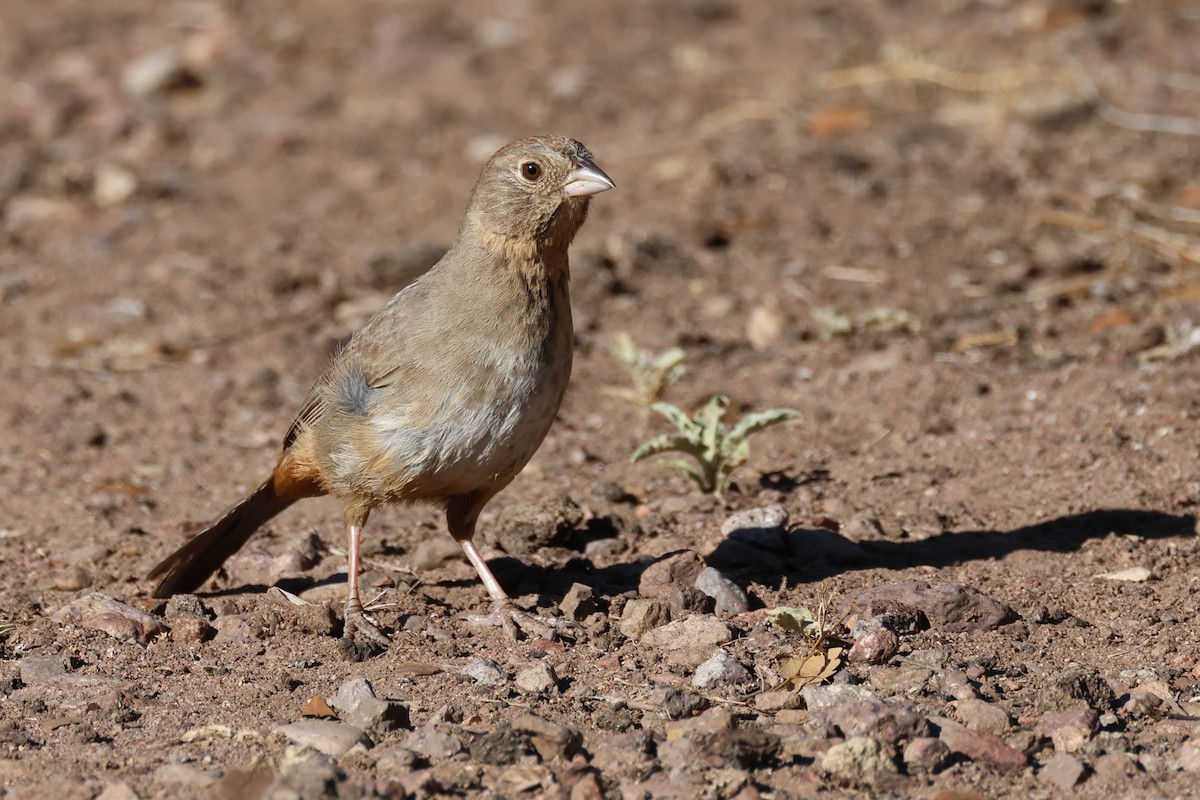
x=531, y=171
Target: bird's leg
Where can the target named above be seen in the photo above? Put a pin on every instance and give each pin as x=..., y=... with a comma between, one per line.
x=504, y=613
x=354, y=618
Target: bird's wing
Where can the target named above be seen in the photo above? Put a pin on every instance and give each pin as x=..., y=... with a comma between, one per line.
x=310, y=412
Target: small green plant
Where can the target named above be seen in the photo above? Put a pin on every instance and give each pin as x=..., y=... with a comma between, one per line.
x=717, y=451
x=652, y=372
x=834, y=323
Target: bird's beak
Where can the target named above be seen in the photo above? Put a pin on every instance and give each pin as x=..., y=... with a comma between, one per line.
x=585, y=180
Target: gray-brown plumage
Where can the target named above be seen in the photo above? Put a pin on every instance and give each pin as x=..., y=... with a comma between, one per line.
x=445, y=394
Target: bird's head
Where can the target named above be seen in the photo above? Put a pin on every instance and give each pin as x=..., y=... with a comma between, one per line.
x=536, y=191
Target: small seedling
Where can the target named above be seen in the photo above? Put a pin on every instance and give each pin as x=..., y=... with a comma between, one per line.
x=834, y=323
x=652, y=372
x=716, y=450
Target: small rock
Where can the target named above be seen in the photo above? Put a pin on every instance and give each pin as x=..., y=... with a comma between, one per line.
x=41, y=668
x=860, y=760
x=87, y=555
x=1117, y=767
x=184, y=775
x=1188, y=756
x=778, y=700
x=309, y=776
x=984, y=747
x=900, y=618
x=334, y=739
x=113, y=184
x=392, y=760
x=676, y=703
x=155, y=73
x=551, y=739
x=501, y=746
x=235, y=629
x=485, y=671
x=1143, y=703
x=907, y=679
x=537, y=679
x=674, y=569
x=361, y=708
x=761, y=528
x=863, y=527
x=103, y=613
x=1069, y=730
x=190, y=629
x=184, y=605
x=686, y=599
x=948, y=606
x=578, y=603
x=641, y=616
x=720, y=670
x=888, y=723
x=876, y=647
x=1079, y=688
x=817, y=698
x=432, y=743
x=72, y=579
x=118, y=791
x=978, y=715
x=728, y=597
x=694, y=632
x=1063, y=771
x=1133, y=574
x=926, y=754
x=763, y=326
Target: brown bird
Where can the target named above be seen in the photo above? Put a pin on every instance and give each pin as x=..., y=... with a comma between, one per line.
x=446, y=393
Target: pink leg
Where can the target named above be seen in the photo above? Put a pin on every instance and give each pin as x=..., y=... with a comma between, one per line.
x=504, y=613
x=355, y=619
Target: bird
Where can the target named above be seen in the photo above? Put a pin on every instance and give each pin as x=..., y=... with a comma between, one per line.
x=445, y=393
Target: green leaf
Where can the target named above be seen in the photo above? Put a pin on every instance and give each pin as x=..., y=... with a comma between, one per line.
x=688, y=468
x=710, y=418
x=665, y=443
x=753, y=423
x=679, y=419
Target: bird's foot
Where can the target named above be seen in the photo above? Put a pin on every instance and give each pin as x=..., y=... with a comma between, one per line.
x=361, y=635
x=520, y=624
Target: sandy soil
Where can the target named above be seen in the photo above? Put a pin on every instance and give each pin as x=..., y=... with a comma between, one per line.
x=970, y=264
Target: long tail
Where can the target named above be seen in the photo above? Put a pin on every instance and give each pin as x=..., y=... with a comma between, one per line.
x=190, y=566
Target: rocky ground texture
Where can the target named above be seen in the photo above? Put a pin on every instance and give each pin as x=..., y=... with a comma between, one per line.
x=960, y=238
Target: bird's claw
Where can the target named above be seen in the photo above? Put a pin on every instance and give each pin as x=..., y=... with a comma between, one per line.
x=521, y=624
x=361, y=634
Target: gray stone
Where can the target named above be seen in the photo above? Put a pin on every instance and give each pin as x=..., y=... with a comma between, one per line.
x=361, y=708
x=326, y=736
x=861, y=760
x=184, y=605
x=641, y=616
x=978, y=715
x=551, y=739
x=485, y=671
x=817, y=698
x=720, y=670
x=1063, y=771
x=538, y=678
x=761, y=528
x=1117, y=767
x=693, y=632
x=41, y=668
x=313, y=778
x=184, y=775
x=948, y=606
x=908, y=679
x=891, y=724
x=1079, y=688
x=1070, y=730
x=926, y=754
x=433, y=743
x=728, y=597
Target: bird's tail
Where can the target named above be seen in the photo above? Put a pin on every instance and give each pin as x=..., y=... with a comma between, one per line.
x=190, y=566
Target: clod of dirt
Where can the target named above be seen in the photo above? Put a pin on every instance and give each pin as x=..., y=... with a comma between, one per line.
x=551, y=739
x=1079, y=688
x=502, y=746
x=526, y=529
x=891, y=724
x=678, y=704
x=578, y=603
x=859, y=760
x=1069, y=730
x=675, y=569
x=640, y=616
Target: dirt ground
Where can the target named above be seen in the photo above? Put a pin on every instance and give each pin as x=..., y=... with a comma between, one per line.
x=961, y=238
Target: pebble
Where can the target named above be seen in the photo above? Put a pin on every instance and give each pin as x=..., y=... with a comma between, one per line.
x=332, y=738
x=485, y=671
x=37, y=669
x=948, y=606
x=674, y=569
x=1063, y=771
x=761, y=528
x=180, y=605
x=578, y=603
x=1080, y=688
x=875, y=647
x=432, y=743
x=926, y=754
x=978, y=715
x=1069, y=730
x=551, y=739
x=433, y=553
x=303, y=778
x=817, y=698
x=184, y=775
x=889, y=723
x=720, y=670
x=778, y=700
x=1188, y=756
x=190, y=629
x=1115, y=767
x=118, y=791
x=538, y=678
x=693, y=633
x=861, y=760
x=907, y=679
x=987, y=748
x=728, y=597
x=154, y=73
x=103, y=613
x=640, y=616
x=361, y=708
x=113, y=184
